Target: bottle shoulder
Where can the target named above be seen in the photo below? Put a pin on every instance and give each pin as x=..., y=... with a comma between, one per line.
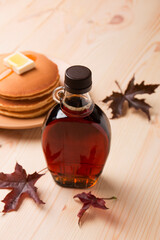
x=55, y=113
x=97, y=116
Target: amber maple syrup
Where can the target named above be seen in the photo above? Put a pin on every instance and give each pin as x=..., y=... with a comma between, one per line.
x=76, y=141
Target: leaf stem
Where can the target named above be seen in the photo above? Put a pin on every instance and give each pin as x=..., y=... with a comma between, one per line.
x=43, y=169
x=119, y=86
x=110, y=198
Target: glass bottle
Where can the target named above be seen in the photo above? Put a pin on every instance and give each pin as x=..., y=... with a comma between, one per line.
x=76, y=133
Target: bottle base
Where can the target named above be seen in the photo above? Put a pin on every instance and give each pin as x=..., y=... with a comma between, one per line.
x=71, y=182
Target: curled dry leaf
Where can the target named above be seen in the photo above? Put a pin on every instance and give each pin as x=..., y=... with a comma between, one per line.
x=89, y=200
x=22, y=185
x=117, y=99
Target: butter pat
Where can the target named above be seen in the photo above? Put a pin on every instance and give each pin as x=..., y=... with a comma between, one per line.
x=19, y=62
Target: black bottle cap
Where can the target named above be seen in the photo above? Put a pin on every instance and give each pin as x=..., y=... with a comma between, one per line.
x=78, y=79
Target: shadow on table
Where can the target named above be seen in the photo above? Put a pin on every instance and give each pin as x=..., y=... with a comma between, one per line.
x=11, y=136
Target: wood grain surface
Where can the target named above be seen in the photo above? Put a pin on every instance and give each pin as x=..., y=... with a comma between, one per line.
x=115, y=39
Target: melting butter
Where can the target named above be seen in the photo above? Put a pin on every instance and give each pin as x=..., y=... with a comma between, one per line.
x=19, y=62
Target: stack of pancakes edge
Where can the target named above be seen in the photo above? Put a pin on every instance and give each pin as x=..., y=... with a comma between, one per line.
x=29, y=95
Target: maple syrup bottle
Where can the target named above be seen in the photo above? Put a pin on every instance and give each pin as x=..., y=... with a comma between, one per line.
x=76, y=133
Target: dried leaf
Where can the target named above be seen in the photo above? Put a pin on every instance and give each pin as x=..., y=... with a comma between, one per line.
x=22, y=185
x=117, y=99
x=89, y=200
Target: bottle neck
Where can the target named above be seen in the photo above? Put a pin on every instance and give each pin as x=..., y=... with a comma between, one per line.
x=77, y=105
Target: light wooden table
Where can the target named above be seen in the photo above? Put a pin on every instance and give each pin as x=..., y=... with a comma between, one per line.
x=115, y=38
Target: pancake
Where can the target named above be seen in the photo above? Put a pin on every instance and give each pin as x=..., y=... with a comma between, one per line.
x=31, y=84
x=48, y=91
x=28, y=95
x=25, y=105
x=28, y=114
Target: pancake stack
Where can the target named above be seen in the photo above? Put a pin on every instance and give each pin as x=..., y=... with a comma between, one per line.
x=28, y=95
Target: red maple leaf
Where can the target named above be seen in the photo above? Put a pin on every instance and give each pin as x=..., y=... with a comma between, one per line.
x=22, y=185
x=89, y=200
